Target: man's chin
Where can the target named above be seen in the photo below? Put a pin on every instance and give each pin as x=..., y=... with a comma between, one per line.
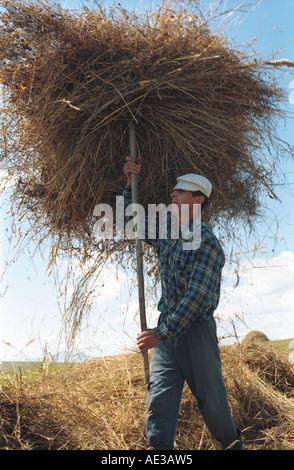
x=174, y=209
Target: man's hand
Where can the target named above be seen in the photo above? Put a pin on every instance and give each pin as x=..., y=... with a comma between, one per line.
x=147, y=340
x=130, y=167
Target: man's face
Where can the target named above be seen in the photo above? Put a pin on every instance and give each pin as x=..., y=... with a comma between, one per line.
x=182, y=196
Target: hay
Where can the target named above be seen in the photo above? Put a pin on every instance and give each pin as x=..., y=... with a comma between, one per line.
x=260, y=381
x=254, y=336
x=72, y=83
x=101, y=405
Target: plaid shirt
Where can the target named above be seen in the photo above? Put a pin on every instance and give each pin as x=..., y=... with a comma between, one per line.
x=190, y=280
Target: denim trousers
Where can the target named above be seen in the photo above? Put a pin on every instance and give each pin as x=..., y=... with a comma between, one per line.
x=193, y=357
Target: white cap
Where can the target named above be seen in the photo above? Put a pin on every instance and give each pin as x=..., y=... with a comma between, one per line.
x=192, y=182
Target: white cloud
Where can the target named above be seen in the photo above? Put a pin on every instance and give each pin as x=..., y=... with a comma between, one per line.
x=263, y=298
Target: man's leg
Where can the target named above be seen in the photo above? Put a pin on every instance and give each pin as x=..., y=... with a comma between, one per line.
x=163, y=398
x=198, y=355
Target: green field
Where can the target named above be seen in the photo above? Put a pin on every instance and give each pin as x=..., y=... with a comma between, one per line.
x=281, y=344
x=9, y=366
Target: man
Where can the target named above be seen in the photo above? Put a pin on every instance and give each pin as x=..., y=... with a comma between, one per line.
x=185, y=341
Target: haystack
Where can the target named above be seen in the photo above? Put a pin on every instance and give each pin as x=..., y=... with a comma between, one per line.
x=254, y=336
x=260, y=383
x=72, y=84
x=101, y=405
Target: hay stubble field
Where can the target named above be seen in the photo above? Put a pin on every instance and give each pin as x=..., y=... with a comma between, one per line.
x=100, y=404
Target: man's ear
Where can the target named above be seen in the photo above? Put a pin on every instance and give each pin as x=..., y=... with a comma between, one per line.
x=199, y=199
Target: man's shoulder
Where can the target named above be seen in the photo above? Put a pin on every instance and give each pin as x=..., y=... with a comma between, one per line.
x=208, y=238
x=207, y=232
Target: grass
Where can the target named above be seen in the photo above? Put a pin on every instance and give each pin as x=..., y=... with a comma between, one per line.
x=24, y=366
x=101, y=404
x=281, y=344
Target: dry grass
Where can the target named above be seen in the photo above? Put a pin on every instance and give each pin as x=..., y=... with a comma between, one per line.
x=101, y=405
x=72, y=83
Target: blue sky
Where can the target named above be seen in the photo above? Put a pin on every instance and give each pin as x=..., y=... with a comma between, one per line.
x=29, y=311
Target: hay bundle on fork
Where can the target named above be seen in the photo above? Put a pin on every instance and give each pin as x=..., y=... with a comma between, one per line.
x=73, y=83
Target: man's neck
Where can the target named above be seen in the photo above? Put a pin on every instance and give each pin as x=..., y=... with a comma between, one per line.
x=194, y=211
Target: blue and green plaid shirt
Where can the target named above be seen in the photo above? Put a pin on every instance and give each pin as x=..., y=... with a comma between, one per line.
x=190, y=280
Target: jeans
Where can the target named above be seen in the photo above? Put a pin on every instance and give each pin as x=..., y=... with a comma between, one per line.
x=193, y=357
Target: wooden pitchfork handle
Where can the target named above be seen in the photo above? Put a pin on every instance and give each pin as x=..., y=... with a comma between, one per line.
x=138, y=246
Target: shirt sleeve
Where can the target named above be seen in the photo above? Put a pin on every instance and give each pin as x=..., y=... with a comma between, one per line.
x=127, y=194
x=201, y=294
